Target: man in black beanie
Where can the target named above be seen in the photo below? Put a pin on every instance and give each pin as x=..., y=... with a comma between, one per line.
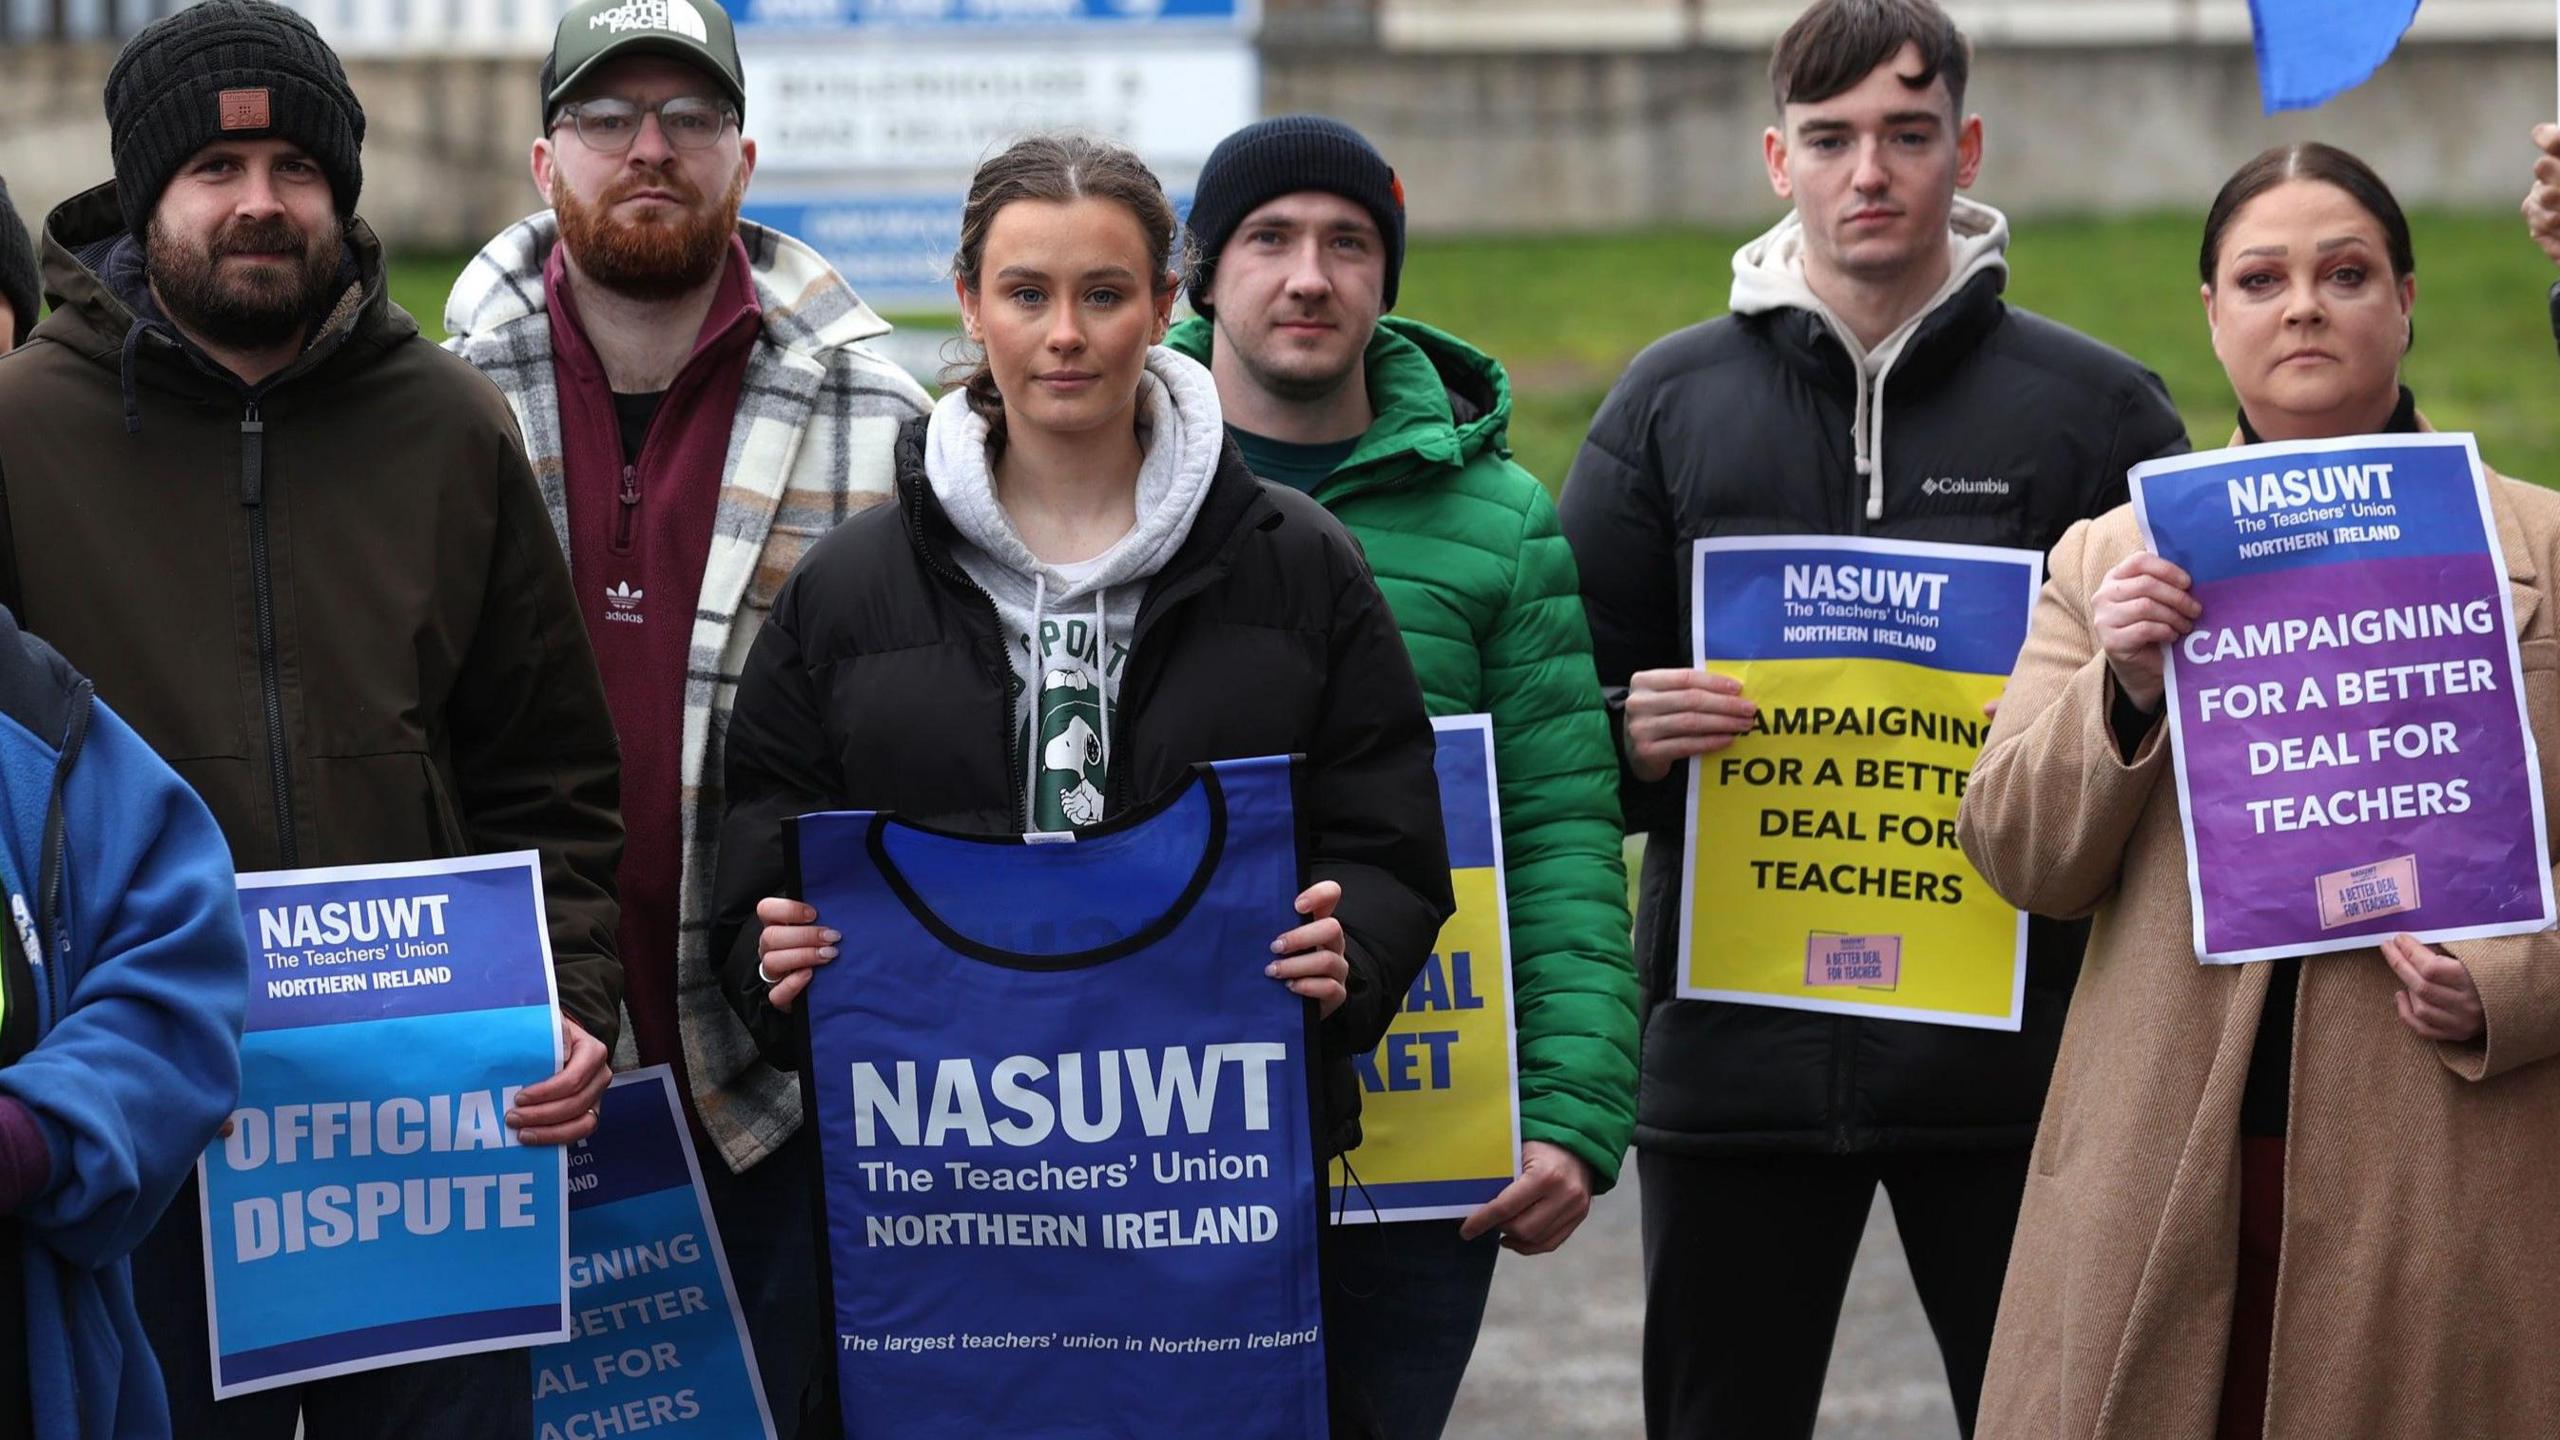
x=20, y=298
x=1401, y=431
x=301, y=550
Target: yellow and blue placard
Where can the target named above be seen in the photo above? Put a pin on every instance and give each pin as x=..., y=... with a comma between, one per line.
x=1440, y=1101
x=1823, y=872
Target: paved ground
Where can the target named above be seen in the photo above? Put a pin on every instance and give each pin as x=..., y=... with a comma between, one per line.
x=1560, y=1354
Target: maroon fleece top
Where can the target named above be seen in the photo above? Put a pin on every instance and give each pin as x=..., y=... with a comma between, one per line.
x=639, y=536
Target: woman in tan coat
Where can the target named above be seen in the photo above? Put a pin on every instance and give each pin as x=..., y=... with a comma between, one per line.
x=2385, y=1123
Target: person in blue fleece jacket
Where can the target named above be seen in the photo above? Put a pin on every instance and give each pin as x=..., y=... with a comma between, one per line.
x=124, y=972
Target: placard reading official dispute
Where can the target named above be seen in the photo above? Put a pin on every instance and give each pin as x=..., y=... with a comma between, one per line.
x=657, y=1343
x=370, y=1206
x=1823, y=871
x=2351, y=744
x=1440, y=1096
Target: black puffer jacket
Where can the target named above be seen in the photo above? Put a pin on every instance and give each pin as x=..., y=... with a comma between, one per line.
x=2001, y=429
x=880, y=683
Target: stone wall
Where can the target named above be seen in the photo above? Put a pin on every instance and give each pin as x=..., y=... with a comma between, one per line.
x=1516, y=140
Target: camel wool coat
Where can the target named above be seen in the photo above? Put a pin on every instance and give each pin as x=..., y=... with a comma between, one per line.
x=2419, y=1291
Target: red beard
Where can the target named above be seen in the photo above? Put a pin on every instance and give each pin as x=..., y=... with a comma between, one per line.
x=650, y=259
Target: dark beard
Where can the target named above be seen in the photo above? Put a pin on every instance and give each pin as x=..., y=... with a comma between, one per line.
x=249, y=310
x=649, y=261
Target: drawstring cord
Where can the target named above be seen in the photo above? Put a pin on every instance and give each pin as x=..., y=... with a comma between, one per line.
x=1341, y=1207
x=1102, y=677
x=1039, y=678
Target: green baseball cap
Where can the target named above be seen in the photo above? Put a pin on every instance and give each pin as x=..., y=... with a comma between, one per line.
x=696, y=32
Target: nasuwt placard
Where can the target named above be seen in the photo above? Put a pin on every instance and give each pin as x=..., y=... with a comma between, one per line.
x=2351, y=743
x=1823, y=871
x=370, y=1206
x=657, y=1343
x=1440, y=1096
x=1065, y=1122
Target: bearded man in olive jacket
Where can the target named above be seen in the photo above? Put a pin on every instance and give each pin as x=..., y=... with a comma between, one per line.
x=299, y=548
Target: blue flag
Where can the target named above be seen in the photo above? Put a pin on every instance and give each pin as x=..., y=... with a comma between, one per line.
x=2309, y=50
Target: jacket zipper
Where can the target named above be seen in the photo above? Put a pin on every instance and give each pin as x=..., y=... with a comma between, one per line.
x=626, y=515
x=1844, y=1046
x=56, y=860
x=253, y=481
x=1132, y=694
x=1012, y=682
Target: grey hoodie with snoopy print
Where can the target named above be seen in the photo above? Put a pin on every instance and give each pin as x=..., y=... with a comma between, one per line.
x=1068, y=627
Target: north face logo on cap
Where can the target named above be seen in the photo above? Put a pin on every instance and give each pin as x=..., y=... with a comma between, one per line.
x=677, y=16
x=249, y=109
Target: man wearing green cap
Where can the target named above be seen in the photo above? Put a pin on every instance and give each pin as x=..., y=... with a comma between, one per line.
x=702, y=390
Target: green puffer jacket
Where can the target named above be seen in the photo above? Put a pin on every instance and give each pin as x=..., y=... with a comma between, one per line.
x=1465, y=546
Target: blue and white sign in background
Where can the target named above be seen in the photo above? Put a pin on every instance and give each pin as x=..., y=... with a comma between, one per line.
x=871, y=115
x=657, y=1343
x=370, y=1206
x=1117, y=17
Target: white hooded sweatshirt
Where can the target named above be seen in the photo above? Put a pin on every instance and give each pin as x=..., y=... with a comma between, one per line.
x=1768, y=274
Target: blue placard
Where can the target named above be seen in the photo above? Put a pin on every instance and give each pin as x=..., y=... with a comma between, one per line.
x=1064, y=1122
x=370, y=1206
x=2261, y=509
x=894, y=249
x=1948, y=607
x=657, y=1342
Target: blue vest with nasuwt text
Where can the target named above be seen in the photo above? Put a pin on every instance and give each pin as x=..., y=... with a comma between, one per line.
x=1066, y=1122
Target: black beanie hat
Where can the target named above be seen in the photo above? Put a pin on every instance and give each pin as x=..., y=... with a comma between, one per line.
x=228, y=70
x=1280, y=156
x=18, y=284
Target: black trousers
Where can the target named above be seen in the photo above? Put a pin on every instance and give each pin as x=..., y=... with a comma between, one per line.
x=1746, y=1259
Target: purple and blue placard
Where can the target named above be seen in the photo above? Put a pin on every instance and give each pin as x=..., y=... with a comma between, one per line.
x=370, y=1206
x=2352, y=750
x=657, y=1342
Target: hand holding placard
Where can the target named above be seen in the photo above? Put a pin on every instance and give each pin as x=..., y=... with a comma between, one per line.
x=2437, y=999
x=1676, y=715
x=2142, y=607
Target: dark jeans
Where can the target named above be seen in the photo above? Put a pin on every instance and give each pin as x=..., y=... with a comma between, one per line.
x=1403, y=1306
x=1746, y=1260
x=769, y=1231
x=467, y=1397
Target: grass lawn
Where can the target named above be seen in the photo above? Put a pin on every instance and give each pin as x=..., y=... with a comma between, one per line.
x=1566, y=313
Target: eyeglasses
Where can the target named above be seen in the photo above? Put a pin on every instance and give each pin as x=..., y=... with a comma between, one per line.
x=609, y=124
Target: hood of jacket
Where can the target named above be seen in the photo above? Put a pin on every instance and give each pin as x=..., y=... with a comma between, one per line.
x=1768, y=275
x=103, y=309
x=1438, y=403
x=807, y=306
x=1183, y=431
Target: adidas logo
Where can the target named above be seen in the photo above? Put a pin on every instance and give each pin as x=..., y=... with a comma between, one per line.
x=621, y=601
x=677, y=16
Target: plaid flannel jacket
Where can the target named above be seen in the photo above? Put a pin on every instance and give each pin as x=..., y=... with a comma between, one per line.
x=811, y=444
